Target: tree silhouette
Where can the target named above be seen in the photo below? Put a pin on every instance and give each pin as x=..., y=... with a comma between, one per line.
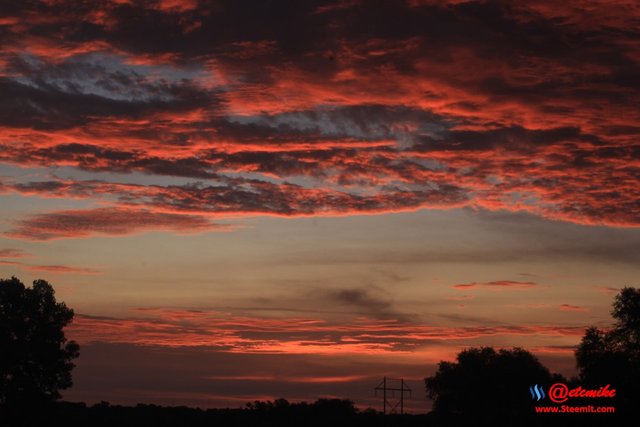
x=488, y=385
x=613, y=357
x=35, y=356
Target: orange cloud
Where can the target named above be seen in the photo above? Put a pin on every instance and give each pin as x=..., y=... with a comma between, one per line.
x=569, y=307
x=62, y=269
x=495, y=285
x=242, y=334
x=608, y=290
x=462, y=297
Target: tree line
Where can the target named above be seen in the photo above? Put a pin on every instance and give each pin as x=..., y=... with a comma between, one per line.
x=483, y=385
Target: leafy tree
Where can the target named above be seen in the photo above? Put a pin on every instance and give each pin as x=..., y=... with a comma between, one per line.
x=626, y=312
x=488, y=385
x=35, y=356
x=613, y=356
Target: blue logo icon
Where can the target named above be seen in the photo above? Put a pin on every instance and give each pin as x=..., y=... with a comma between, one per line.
x=537, y=391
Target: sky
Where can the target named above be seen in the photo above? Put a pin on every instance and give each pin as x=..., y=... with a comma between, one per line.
x=258, y=199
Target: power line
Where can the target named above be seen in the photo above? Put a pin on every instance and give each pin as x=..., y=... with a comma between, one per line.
x=389, y=387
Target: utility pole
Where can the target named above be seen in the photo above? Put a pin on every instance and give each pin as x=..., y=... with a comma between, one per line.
x=384, y=396
x=392, y=385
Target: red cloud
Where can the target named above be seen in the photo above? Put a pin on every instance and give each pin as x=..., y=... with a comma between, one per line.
x=13, y=253
x=290, y=379
x=243, y=197
x=466, y=286
x=105, y=221
x=177, y=6
x=499, y=284
x=396, y=116
x=188, y=328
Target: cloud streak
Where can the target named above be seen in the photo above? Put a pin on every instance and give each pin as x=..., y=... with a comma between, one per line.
x=62, y=269
x=104, y=222
x=243, y=334
x=496, y=285
x=570, y=307
x=13, y=253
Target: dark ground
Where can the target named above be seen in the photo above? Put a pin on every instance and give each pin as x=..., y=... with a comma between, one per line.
x=324, y=412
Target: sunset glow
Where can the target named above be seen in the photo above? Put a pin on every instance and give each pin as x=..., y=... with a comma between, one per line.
x=251, y=199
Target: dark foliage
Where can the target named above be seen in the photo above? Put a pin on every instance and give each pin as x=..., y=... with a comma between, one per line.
x=35, y=356
x=613, y=356
x=487, y=385
x=279, y=413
